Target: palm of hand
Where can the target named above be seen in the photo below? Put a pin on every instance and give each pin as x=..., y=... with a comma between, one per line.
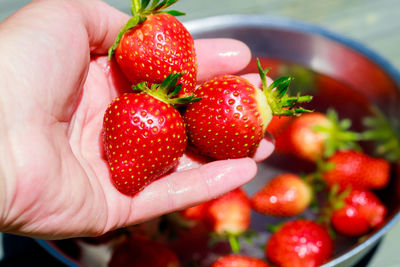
x=58, y=182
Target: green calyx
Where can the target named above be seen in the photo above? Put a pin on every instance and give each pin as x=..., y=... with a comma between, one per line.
x=167, y=91
x=140, y=10
x=338, y=135
x=276, y=93
x=385, y=132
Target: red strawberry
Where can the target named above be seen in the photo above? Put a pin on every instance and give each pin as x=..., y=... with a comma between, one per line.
x=239, y=261
x=144, y=136
x=284, y=195
x=195, y=212
x=232, y=116
x=357, y=169
x=278, y=124
x=229, y=214
x=139, y=251
x=361, y=211
x=299, y=243
x=315, y=135
x=154, y=44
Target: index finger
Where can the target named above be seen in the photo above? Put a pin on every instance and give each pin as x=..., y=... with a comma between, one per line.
x=220, y=56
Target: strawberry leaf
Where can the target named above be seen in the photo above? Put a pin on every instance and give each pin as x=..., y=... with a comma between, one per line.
x=154, y=4
x=273, y=228
x=339, y=136
x=282, y=85
x=140, y=11
x=135, y=7
x=144, y=5
x=280, y=103
x=385, y=133
x=249, y=236
x=174, y=13
x=176, y=90
x=167, y=90
x=132, y=22
x=262, y=73
x=170, y=82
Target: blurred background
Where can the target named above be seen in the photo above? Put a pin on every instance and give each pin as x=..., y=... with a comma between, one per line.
x=376, y=24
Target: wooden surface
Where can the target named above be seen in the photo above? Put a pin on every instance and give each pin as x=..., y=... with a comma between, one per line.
x=373, y=23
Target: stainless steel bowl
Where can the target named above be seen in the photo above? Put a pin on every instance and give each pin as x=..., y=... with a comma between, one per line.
x=315, y=50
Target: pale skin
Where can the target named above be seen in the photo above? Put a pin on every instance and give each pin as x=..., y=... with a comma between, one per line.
x=55, y=83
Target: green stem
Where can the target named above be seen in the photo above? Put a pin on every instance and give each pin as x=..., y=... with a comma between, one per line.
x=234, y=242
x=135, y=7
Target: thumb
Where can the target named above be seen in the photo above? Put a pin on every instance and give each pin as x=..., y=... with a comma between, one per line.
x=68, y=21
x=102, y=23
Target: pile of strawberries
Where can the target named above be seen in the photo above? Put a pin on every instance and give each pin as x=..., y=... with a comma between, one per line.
x=147, y=130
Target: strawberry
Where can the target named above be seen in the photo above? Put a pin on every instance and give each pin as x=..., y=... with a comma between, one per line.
x=144, y=135
x=232, y=116
x=315, y=136
x=278, y=124
x=239, y=261
x=357, y=169
x=195, y=212
x=225, y=217
x=284, y=195
x=229, y=214
x=299, y=243
x=359, y=212
x=139, y=251
x=154, y=44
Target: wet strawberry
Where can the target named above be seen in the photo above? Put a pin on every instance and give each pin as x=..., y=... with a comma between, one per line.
x=229, y=214
x=357, y=169
x=239, y=261
x=232, y=116
x=315, y=136
x=299, y=243
x=284, y=195
x=278, y=124
x=144, y=135
x=360, y=212
x=139, y=251
x=154, y=44
x=195, y=212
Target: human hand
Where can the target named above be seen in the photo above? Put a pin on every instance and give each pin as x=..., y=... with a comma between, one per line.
x=56, y=83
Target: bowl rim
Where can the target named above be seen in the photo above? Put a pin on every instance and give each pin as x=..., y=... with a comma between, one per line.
x=279, y=22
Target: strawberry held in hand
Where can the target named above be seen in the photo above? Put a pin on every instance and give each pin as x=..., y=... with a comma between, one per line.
x=232, y=116
x=144, y=135
x=154, y=44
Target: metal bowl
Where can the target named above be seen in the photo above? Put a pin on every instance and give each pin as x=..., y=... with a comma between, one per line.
x=314, y=51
